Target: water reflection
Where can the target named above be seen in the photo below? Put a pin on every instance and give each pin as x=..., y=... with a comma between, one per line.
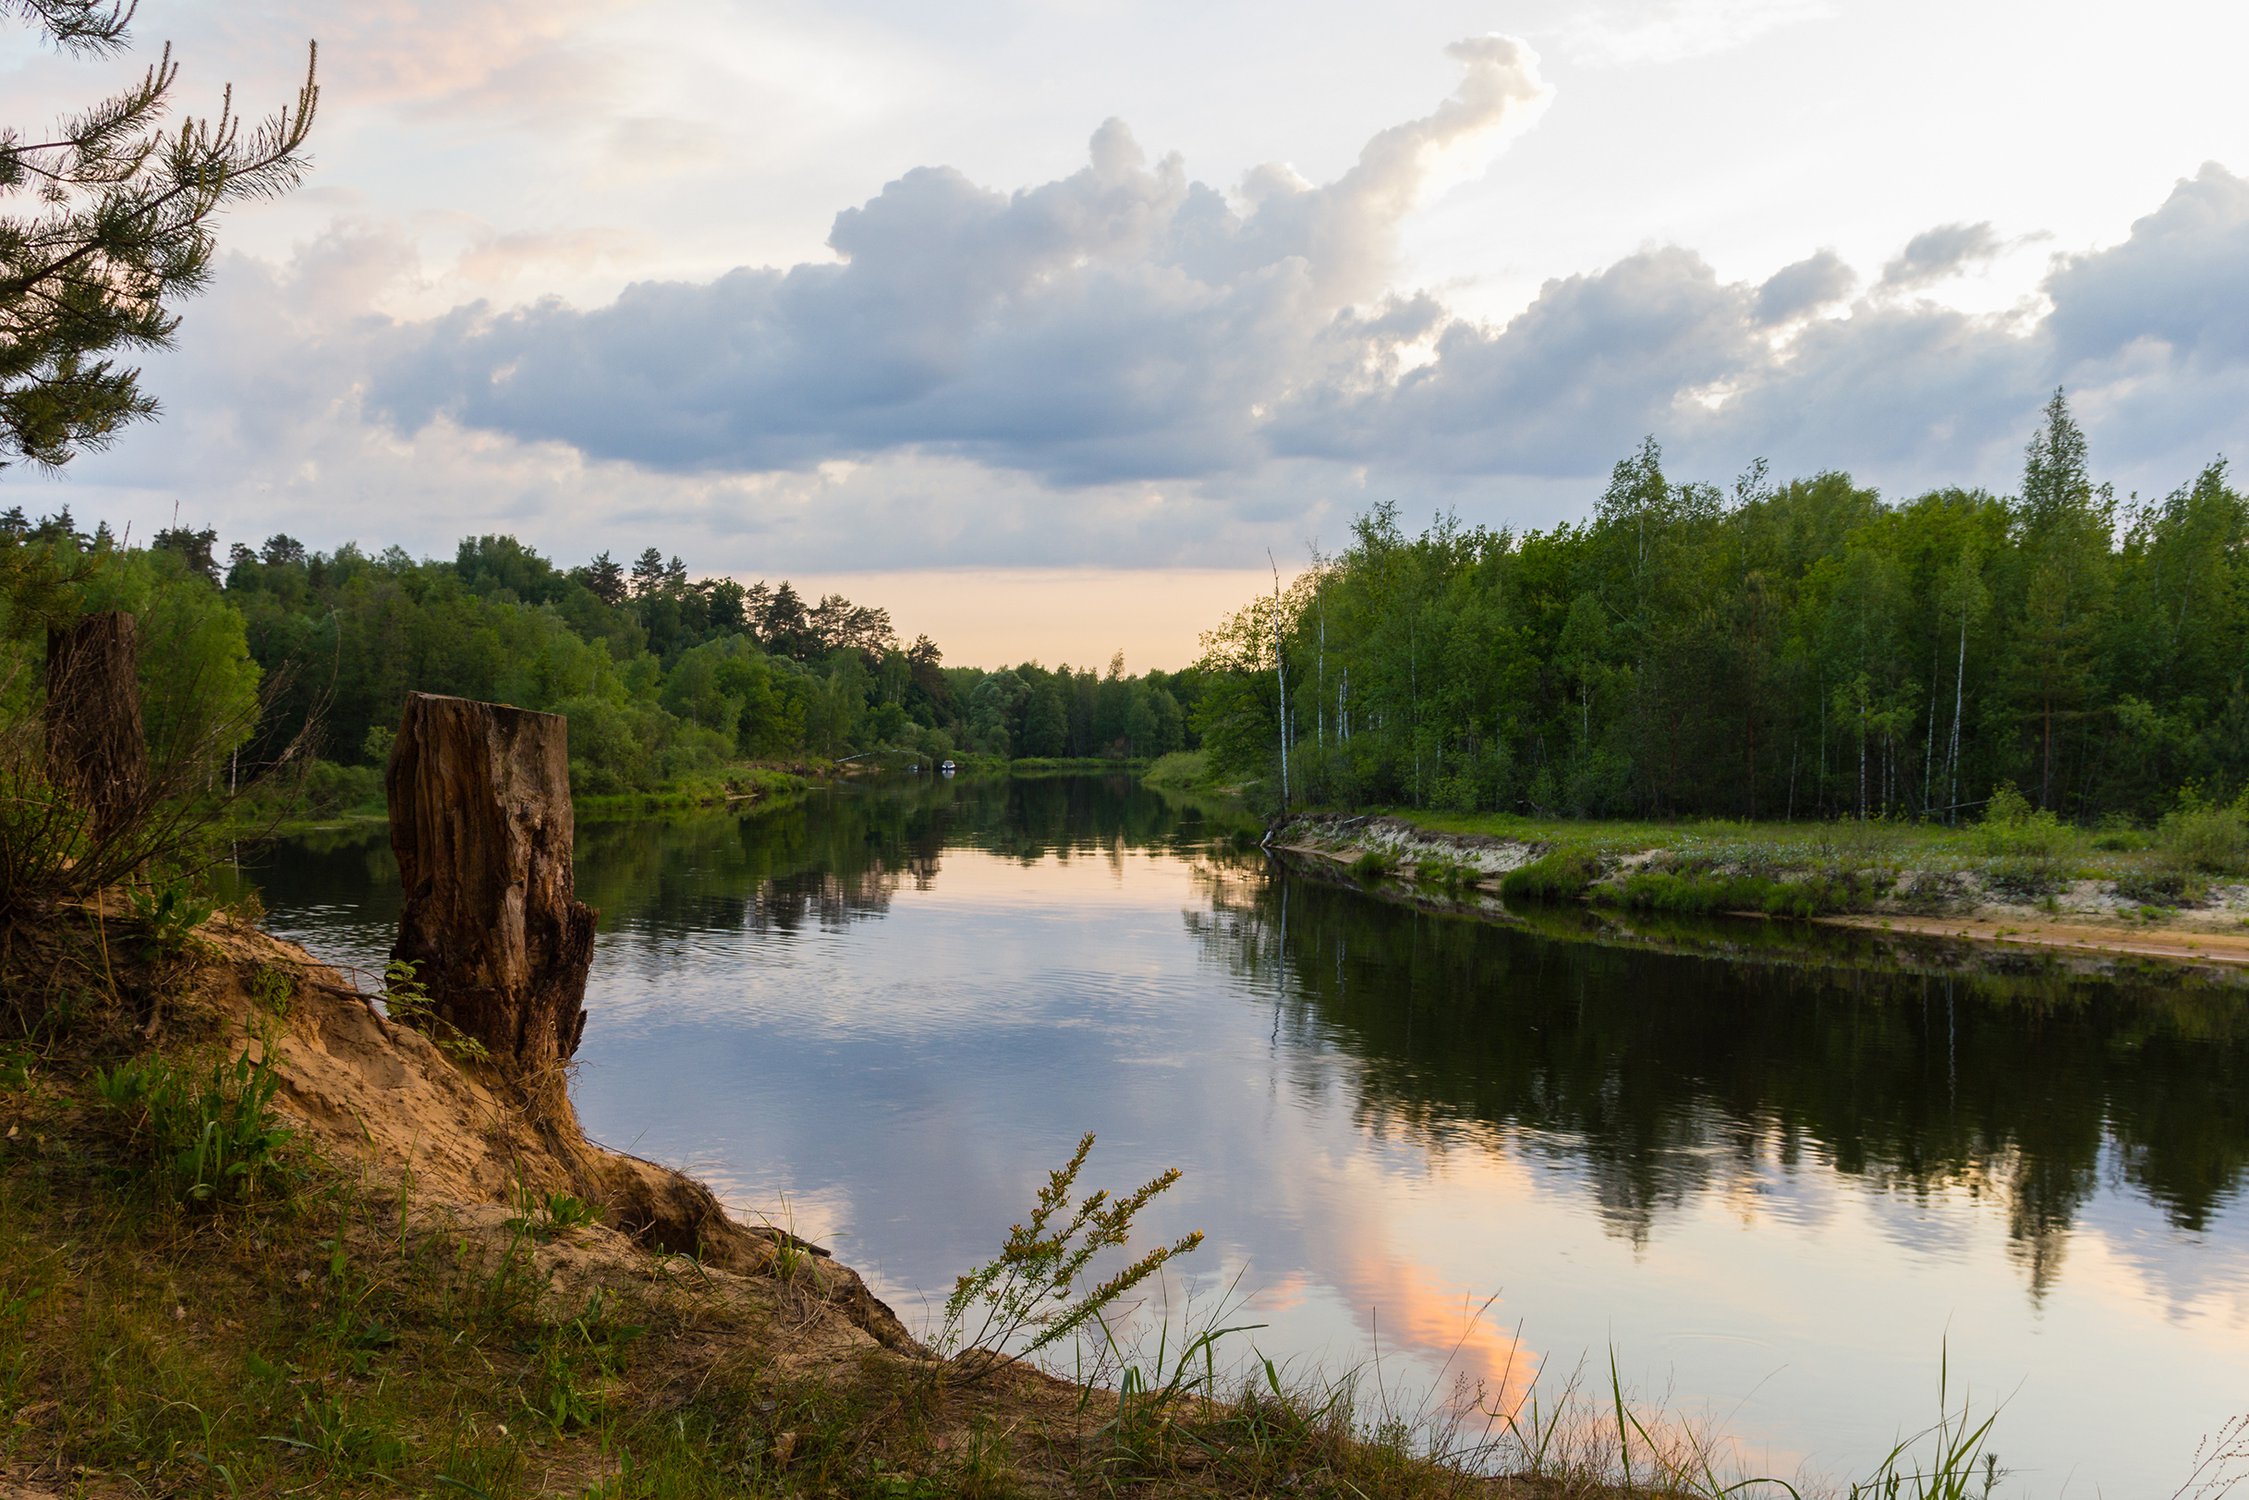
x=1668, y=1076
x=885, y=1012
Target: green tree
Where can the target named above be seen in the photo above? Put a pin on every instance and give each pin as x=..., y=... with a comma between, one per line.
x=105, y=224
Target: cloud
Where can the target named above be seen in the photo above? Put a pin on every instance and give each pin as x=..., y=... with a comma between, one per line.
x=1127, y=365
x=1807, y=286
x=2181, y=278
x=1121, y=323
x=1935, y=254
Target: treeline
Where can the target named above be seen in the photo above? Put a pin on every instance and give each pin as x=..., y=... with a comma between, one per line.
x=1802, y=650
x=663, y=676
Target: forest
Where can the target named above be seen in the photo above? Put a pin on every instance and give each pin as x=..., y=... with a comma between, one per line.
x=667, y=680
x=1806, y=649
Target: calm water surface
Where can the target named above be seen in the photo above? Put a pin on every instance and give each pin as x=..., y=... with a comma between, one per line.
x=1780, y=1192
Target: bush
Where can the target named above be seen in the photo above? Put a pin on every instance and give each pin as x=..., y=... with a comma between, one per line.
x=1556, y=875
x=2160, y=888
x=1373, y=864
x=1444, y=873
x=2012, y=828
x=2207, y=836
x=330, y=789
x=1181, y=770
x=2022, y=878
x=1700, y=893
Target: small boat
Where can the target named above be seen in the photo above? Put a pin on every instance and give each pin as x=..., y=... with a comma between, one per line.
x=947, y=767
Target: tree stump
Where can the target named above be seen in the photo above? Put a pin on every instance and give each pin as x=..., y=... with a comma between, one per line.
x=95, y=746
x=480, y=819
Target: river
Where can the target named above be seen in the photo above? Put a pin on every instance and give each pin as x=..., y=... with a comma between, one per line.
x=1782, y=1195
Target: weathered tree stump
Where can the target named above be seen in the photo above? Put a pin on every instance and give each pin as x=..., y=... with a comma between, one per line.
x=95, y=746
x=480, y=819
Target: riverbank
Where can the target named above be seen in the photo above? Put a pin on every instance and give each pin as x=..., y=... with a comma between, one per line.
x=331, y=797
x=257, y=1238
x=2114, y=894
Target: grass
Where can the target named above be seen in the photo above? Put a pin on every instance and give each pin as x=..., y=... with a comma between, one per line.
x=1374, y=864
x=1560, y=874
x=1807, y=869
x=1181, y=770
x=337, y=1336
x=1708, y=892
x=742, y=783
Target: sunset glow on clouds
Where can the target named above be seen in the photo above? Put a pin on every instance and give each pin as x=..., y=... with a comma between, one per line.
x=825, y=290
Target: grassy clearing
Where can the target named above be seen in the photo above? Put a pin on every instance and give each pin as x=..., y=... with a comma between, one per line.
x=744, y=783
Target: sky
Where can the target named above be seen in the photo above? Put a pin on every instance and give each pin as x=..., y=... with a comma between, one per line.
x=1055, y=326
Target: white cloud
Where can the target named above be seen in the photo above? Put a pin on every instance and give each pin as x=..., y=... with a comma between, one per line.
x=1116, y=324
x=1944, y=251
x=1129, y=366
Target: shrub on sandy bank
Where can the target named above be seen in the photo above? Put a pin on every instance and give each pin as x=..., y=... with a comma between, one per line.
x=1556, y=875
x=2206, y=836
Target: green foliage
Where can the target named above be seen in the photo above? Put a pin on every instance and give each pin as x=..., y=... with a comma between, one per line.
x=1950, y=1460
x=407, y=1000
x=1801, y=650
x=211, y=1142
x=1560, y=874
x=167, y=914
x=1031, y=1290
x=2161, y=888
x=2022, y=877
x=2011, y=827
x=553, y=1213
x=113, y=227
x=1179, y=770
x=2209, y=837
x=1705, y=893
x=1374, y=864
x=1445, y=874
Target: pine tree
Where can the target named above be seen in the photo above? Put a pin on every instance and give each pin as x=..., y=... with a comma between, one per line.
x=115, y=227
x=648, y=573
x=606, y=579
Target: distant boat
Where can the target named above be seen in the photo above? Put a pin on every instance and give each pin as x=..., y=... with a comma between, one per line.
x=947, y=767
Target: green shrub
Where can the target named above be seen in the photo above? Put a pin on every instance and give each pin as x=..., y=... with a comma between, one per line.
x=1444, y=873
x=2012, y=828
x=210, y=1142
x=2118, y=835
x=2161, y=887
x=1179, y=770
x=1373, y=864
x=2022, y=878
x=1556, y=875
x=2211, y=837
x=1701, y=893
x=329, y=789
